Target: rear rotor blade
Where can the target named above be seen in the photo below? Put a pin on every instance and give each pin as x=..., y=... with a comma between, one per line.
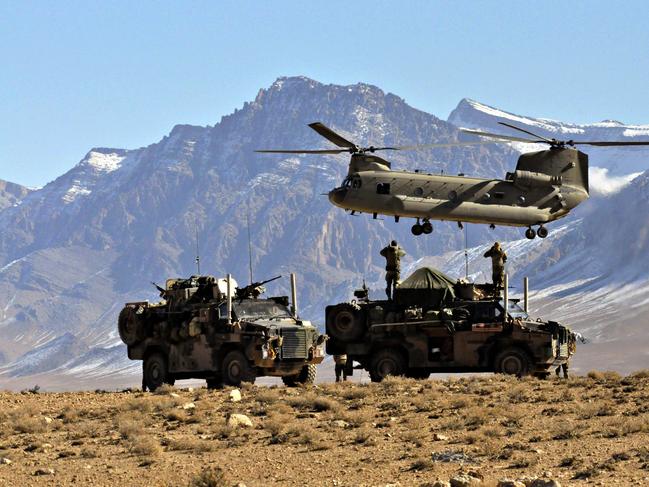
x=303, y=151
x=504, y=137
x=332, y=136
x=433, y=146
x=549, y=141
x=610, y=144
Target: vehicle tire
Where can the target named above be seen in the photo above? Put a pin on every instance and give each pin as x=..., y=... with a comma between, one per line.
x=130, y=326
x=419, y=374
x=214, y=382
x=236, y=369
x=155, y=372
x=345, y=322
x=513, y=361
x=305, y=377
x=385, y=362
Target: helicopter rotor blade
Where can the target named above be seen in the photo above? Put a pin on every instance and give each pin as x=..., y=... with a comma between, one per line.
x=303, y=151
x=503, y=138
x=433, y=146
x=332, y=136
x=549, y=141
x=610, y=144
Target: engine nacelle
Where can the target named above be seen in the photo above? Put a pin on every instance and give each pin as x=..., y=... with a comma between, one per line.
x=531, y=179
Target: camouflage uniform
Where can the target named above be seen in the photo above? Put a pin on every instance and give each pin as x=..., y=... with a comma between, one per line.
x=498, y=259
x=341, y=362
x=392, y=254
x=572, y=348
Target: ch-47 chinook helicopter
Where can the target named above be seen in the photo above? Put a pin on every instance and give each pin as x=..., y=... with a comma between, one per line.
x=545, y=186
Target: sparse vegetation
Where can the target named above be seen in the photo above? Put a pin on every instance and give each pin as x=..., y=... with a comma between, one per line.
x=498, y=424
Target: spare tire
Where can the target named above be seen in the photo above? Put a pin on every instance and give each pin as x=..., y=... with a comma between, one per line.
x=130, y=326
x=346, y=322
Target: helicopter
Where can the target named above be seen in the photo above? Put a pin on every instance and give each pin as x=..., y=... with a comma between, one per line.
x=545, y=186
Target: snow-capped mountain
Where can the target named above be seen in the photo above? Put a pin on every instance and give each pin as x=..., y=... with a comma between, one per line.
x=11, y=194
x=72, y=252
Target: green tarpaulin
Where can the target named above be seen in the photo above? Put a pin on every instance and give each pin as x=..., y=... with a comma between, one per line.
x=426, y=287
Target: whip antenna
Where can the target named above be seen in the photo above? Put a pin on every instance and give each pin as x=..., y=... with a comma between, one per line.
x=198, y=257
x=466, y=251
x=249, y=246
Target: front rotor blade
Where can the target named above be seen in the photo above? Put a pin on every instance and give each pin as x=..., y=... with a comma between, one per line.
x=611, y=144
x=549, y=141
x=304, y=151
x=504, y=137
x=433, y=146
x=332, y=136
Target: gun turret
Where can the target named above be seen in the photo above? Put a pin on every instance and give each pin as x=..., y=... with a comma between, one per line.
x=252, y=290
x=163, y=291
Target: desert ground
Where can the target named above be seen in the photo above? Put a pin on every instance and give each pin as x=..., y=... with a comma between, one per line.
x=588, y=430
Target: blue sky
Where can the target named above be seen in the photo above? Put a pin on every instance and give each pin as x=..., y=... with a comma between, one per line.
x=80, y=74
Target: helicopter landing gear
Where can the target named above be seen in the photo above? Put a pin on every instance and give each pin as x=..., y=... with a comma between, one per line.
x=530, y=233
x=418, y=228
x=542, y=232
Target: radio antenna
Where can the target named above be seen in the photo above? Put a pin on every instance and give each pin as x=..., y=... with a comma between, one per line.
x=249, y=245
x=466, y=251
x=198, y=257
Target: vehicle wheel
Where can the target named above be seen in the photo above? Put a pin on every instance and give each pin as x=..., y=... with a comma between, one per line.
x=130, y=326
x=542, y=232
x=305, y=377
x=530, y=233
x=513, y=361
x=388, y=361
x=214, y=383
x=236, y=369
x=420, y=374
x=155, y=372
x=427, y=228
x=345, y=322
x=417, y=229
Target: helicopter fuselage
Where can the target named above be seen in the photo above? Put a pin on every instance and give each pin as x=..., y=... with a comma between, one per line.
x=524, y=199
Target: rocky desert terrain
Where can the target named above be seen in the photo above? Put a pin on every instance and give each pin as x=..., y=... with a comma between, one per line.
x=487, y=430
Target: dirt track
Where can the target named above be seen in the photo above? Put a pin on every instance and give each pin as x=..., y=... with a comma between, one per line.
x=585, y=430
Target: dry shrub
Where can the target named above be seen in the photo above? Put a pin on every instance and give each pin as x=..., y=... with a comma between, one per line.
x=28, y=424
x=356, y=418
x=421, y=464
x=267, y=396
x=164, y=389
x=459, y=403
x=129, y=426
x=88, y=452
x=475, y=417
x=364, y=436
x=312, y=402
x=640, y=374
x=190, y=444
x=69, y=415
x=415, y=436
x=353, y=392
x=623, y=426
x=143, y=445
x=210, y=477
x=142, y=405
x=566, y=431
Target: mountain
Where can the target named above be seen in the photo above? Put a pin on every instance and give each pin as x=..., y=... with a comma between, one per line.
x=75, y=250
x=11, y=194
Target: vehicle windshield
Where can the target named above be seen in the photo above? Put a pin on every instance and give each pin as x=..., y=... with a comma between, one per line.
x=255, y=309
x=516, y=310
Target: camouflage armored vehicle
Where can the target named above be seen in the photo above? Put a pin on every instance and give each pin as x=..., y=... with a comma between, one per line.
x=209, y=328
x=436, y=324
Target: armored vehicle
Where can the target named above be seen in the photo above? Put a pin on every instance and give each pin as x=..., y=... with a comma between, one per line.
x=436, y=324
x=209, y=328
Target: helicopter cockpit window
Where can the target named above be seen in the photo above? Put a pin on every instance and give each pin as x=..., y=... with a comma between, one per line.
x=356, y=183
x=383, y=188
x=346, y=183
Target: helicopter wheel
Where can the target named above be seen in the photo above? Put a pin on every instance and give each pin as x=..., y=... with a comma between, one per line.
x=417, y=229
x=530, y=233
x=542, y=232
x=427, y=228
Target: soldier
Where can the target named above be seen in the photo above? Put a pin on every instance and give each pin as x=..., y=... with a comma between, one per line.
x=498, y=259
x=341, y=362
x=572, y=348
x=392, y=254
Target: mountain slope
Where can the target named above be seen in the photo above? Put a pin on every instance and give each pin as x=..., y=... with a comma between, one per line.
x=11, y=194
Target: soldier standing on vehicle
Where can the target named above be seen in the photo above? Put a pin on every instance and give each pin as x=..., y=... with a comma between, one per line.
x=498, y=259
x=341, y=362
x=392, y=254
